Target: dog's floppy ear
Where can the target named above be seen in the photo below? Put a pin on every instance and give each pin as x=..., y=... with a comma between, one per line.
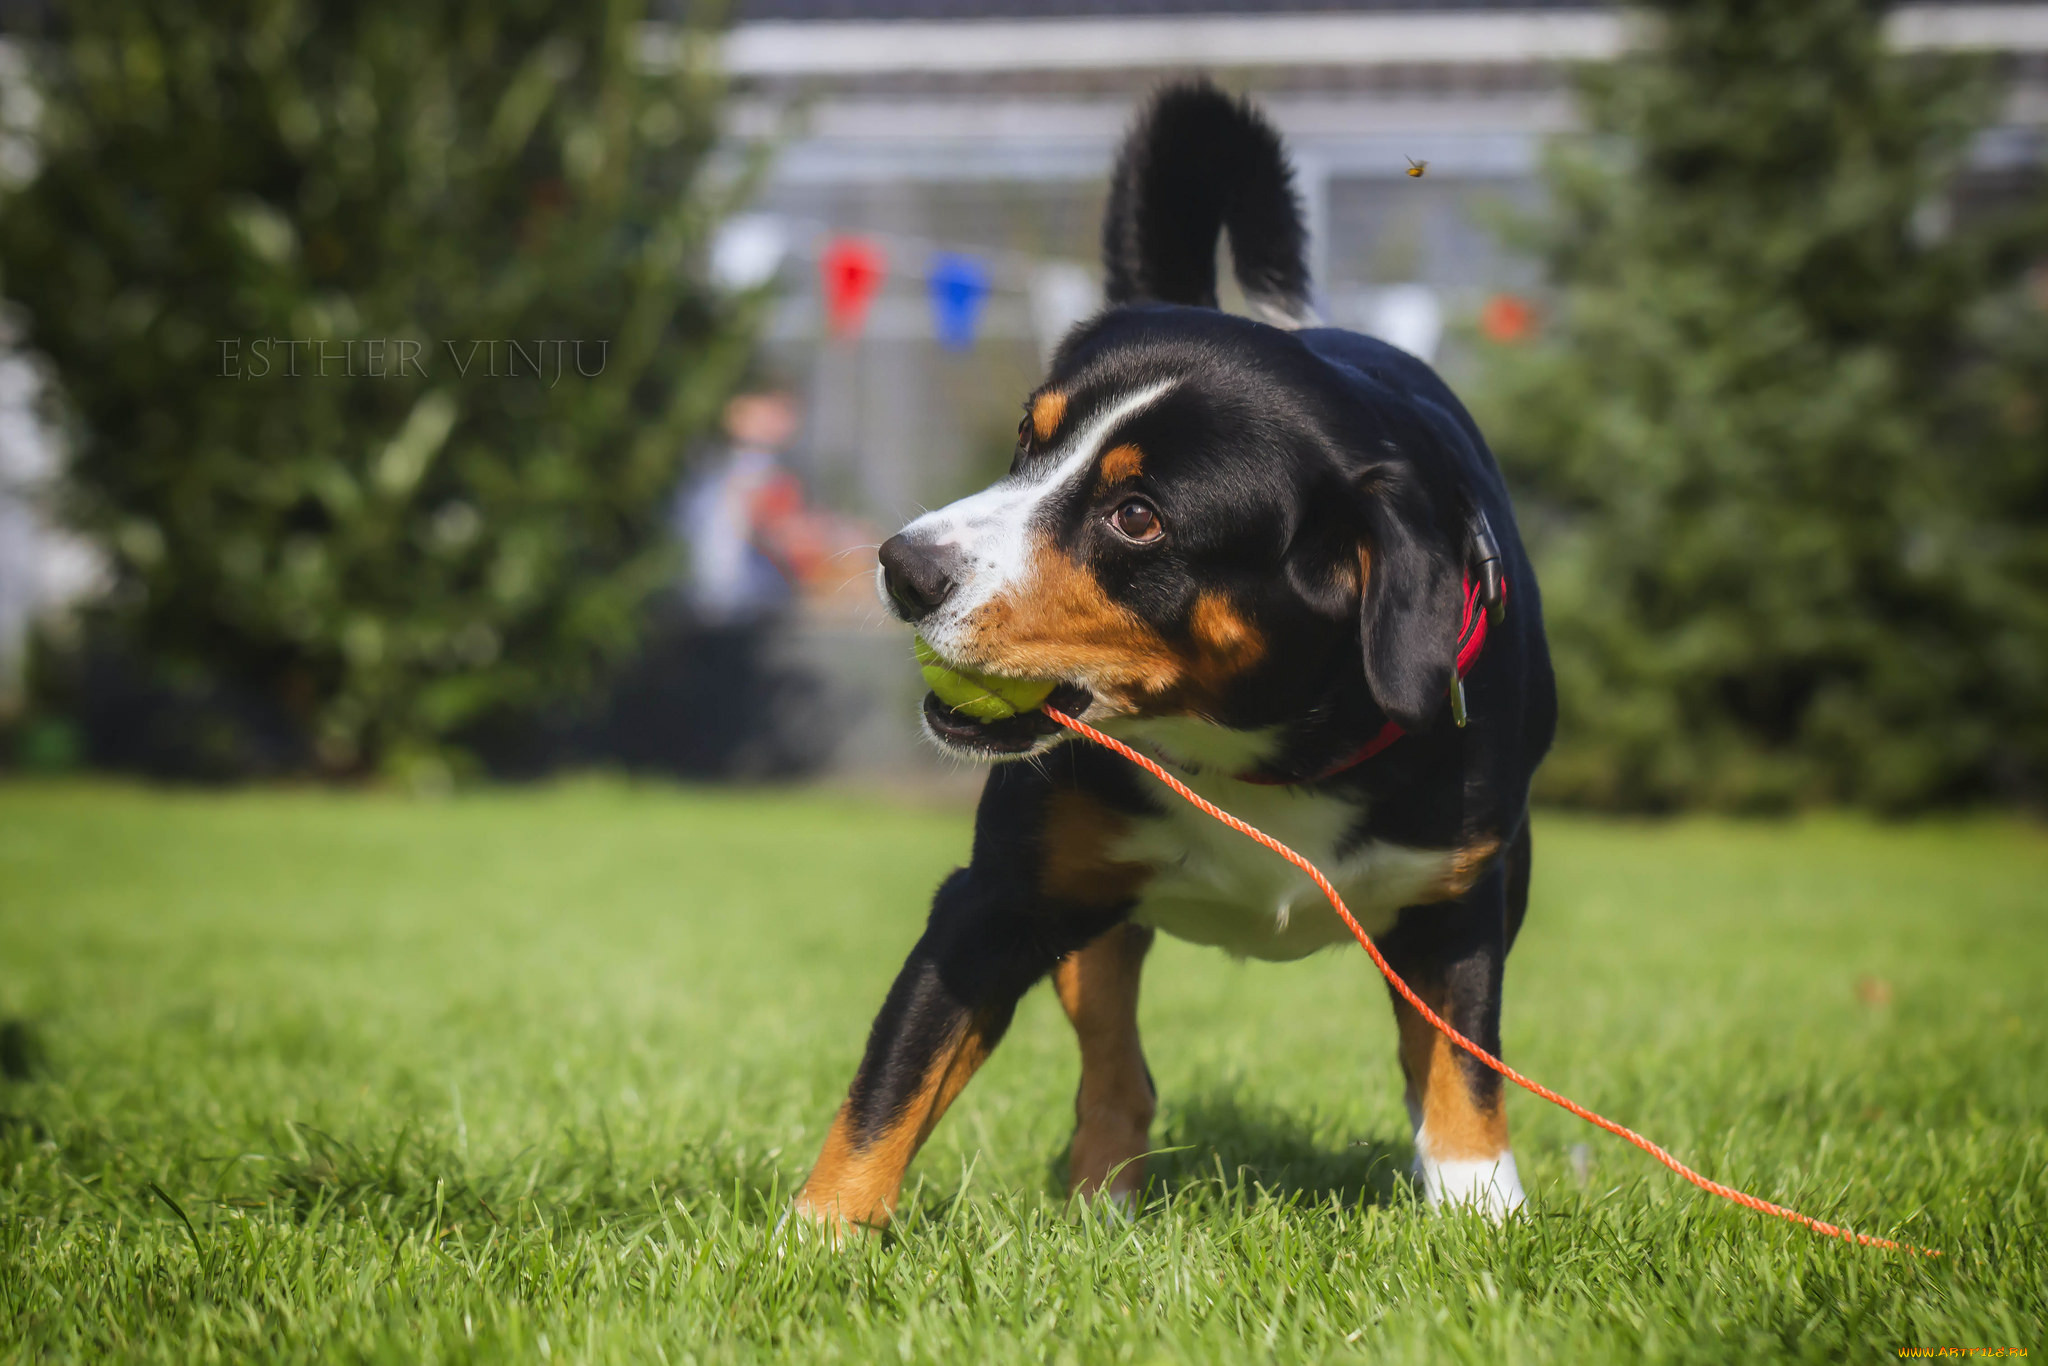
x=1408, y=605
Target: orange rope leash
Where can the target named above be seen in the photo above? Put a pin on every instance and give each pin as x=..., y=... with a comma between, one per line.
x=1443, y=1026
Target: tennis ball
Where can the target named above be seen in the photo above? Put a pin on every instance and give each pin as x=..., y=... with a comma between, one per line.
x=985, y=697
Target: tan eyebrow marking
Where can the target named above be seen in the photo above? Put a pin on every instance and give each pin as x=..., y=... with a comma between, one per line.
x=1124, y=462
x=1047, y=411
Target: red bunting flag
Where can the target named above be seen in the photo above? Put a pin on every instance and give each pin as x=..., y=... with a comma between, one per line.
x=1507, y=319
x=851, y=270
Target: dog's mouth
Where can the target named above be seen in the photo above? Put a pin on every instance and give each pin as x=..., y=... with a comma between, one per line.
x=1020, y=733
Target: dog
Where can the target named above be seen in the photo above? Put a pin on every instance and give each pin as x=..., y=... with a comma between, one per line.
x=1264, y=552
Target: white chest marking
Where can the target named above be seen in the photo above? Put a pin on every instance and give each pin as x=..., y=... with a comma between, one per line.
x=1211, y=885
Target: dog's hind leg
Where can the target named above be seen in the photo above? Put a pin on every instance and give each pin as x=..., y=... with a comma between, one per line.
x=1113, y=1108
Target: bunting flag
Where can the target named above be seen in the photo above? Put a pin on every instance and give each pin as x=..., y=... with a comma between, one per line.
x=1507, y=318
x=750, y=250
x=851, y=269
x=1409, y=316
x=747, y=251
x=1063, y=293
x=959, y=287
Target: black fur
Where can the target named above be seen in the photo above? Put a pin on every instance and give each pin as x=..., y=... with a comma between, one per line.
x=1196, y=164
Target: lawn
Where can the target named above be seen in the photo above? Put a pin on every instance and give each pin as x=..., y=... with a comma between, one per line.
x=531, y=1075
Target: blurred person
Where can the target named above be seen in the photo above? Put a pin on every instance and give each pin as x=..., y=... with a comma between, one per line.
x=751, y=539
x=729, y=688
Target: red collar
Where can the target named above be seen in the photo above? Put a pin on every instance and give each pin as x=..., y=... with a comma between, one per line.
x=1471, y=638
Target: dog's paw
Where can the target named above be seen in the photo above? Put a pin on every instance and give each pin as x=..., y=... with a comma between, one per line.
x=1489, y=1185
x=807, y=1220
x=1118, y=1205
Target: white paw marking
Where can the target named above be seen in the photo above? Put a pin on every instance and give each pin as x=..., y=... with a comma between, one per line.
x=1490, y=1185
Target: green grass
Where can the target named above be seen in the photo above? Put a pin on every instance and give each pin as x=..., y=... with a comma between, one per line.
x=532, y=1075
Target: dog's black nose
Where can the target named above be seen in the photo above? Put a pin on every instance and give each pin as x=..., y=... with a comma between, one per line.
x=917, y=574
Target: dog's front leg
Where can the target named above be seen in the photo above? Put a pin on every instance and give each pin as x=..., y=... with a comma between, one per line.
x=945, y=1014
x=1451, y=953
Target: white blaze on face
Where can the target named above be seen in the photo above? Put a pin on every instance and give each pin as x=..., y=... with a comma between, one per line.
x=993, y=529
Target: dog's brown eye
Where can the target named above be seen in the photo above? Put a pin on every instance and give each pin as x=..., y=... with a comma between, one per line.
x=1137, y=520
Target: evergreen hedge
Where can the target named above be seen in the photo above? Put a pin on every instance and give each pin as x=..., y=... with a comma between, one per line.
x=379, y=336
x=1780, y=444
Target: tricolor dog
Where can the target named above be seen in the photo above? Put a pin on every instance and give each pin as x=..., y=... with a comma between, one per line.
x=1260, y=551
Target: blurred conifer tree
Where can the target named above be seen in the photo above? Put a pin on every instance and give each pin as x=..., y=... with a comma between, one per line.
x=1781, y=444
x=311, y=280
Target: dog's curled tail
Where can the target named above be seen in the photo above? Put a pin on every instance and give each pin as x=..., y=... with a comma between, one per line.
x=1195, y=163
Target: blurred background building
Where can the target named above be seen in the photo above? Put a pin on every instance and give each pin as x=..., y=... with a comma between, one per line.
x=988, y=127
x=928, y=132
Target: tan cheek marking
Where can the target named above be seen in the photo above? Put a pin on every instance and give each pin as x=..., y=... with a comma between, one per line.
x=1076, y=865
x=1047, y=411
x=1060, y=624
x=859, y=1182
x=1225, y=643
x=1459, y=1124
x=1123, y=462
x=1462, y=867
x=1226, y=633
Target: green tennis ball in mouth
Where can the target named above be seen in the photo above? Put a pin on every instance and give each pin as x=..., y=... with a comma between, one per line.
x=984, y=697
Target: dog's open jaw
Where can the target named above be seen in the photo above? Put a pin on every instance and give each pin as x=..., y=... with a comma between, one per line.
x=1021, y=607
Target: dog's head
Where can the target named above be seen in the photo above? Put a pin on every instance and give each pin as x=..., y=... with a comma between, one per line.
x=1202, y=519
